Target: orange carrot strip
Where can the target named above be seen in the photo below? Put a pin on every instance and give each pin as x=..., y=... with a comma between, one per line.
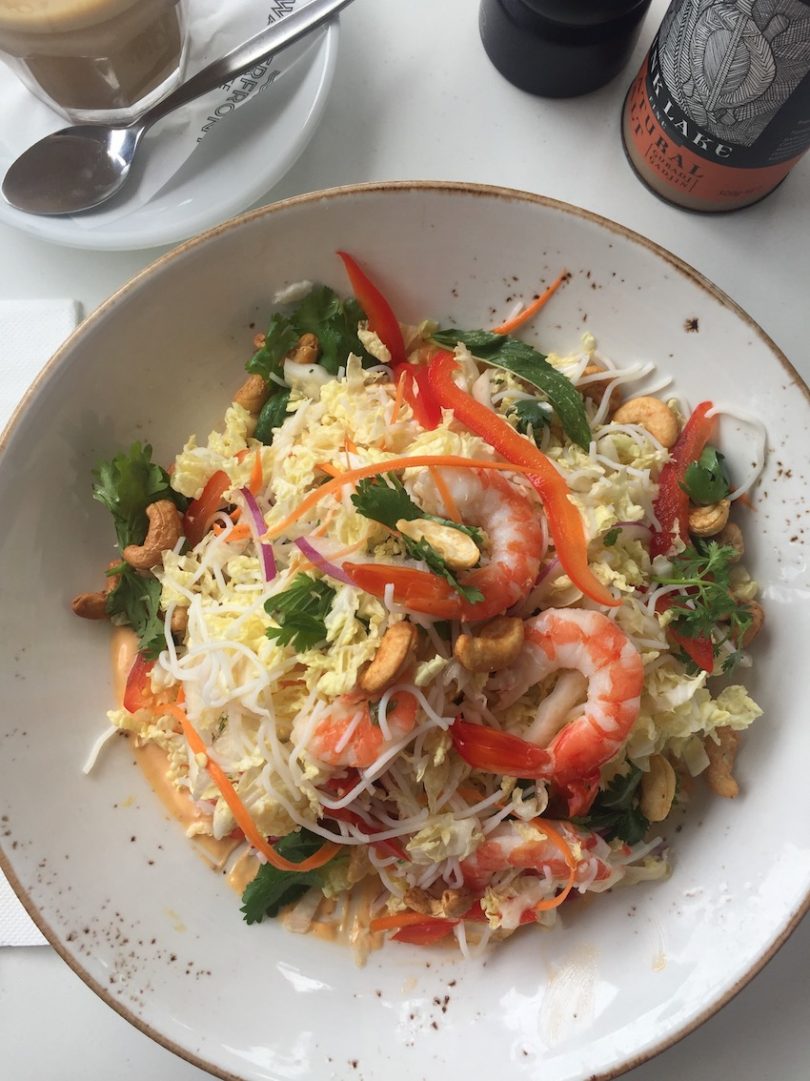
x=401, y=919
x=399, y=397
x=256, y=482
x=450, y=505
x=239, y=532
x=329, y=469
x=349, y=444
x=559, y=842
x=349, y=476
x=518, y=320
x=238, y=809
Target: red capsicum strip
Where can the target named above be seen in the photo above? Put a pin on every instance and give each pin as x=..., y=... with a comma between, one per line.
x=672, y=503
x=499, y=752
x=564, y=520
x=381, y=318
x=138, y=691
x=700, y=649
x=418, y=395
x=199, y=513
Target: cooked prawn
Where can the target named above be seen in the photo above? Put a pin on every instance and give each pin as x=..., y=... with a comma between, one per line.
x=590, y=643
x=513, y=524
x=348, y=735
x=579, y=640
x=523, y=847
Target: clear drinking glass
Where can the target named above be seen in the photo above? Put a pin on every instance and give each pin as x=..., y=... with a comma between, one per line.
x=96, y=60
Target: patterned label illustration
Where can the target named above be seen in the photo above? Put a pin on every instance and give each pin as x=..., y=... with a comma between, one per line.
x=725, y=89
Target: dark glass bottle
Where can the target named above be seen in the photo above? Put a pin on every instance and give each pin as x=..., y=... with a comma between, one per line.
x=560, y=48
x=720, y=112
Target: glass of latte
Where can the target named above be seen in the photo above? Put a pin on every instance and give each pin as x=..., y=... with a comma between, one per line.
x=95, y=60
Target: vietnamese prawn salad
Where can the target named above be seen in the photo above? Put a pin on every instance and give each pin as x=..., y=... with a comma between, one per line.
x=436, y=629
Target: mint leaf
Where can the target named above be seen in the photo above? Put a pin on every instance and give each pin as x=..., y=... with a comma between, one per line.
x=384, y=499
x=272, y=416
x=513, y=355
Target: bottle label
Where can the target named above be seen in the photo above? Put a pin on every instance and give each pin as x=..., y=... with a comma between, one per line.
x=721, y=107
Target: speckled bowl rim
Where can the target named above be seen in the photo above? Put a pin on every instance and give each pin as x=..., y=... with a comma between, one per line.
x=347, y=191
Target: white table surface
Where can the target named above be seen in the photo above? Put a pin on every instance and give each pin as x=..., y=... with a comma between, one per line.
x=416, y=98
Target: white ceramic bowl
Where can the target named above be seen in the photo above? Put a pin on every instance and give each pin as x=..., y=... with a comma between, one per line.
x=114, y=884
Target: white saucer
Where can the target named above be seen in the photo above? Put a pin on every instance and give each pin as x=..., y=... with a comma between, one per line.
x=238, y=161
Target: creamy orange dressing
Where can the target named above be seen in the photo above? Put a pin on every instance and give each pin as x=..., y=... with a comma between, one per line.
x=348, y=923
x=154, y=765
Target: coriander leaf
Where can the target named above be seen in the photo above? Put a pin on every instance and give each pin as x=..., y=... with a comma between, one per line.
x=709, y=607
x=301, y=612
x=333, y=322
x=135, y=600
x=611, y=537
x=126, y=485
x=615, y=812
x=271, y=888
x=531, y=415
x=387, y=501
x=513, y=355
x=272, y=416
x=384, y=499
x=425, y=552
x=706, y=481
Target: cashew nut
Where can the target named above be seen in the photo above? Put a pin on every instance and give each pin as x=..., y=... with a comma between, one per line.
x=494, y=646
x=722, y=753
x=307, y=350
x=457, y=549
x=165, y=529
x=731, y=536
x=90, y=605
x=755, y=626
x=708, y=521
x=259, y=340
x=451, y=904
x=393, y=653
x=652, y=414
x=658, y=789
x=596, y=389
x=252, y=395
x=94, y=605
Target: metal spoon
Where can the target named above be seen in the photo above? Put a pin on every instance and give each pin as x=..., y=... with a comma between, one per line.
x=79, y=168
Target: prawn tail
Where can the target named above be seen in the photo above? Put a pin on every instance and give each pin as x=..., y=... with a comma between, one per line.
x=499, y=752
x=580, y=795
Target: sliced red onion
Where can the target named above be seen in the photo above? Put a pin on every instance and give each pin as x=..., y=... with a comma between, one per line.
x=545, y=571
x=259, y=528
x=321, y=562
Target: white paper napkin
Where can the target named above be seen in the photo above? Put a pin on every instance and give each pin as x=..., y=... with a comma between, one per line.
x=214, y=29
x=30, y=331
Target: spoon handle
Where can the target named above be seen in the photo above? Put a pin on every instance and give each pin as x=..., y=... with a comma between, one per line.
x=245, y=56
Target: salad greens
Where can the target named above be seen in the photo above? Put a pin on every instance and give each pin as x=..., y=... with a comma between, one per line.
x=126, y=485
x=322, y=313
